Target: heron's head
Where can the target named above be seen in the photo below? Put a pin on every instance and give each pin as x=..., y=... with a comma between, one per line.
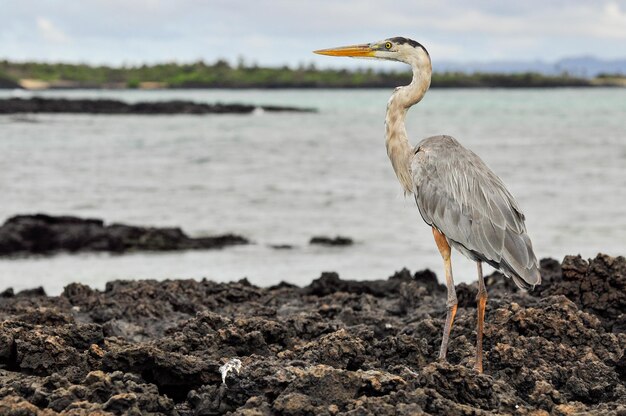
x=392, y=49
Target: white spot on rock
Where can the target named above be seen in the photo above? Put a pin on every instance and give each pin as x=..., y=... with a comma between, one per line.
x=232, y=364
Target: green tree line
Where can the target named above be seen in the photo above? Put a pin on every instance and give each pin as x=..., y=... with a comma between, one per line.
x=223, y=75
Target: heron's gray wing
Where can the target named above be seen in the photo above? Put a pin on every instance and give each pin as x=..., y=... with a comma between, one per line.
x=459, y=195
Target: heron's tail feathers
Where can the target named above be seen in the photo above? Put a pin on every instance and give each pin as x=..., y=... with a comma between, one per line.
x=522, y=283
x=519, y=261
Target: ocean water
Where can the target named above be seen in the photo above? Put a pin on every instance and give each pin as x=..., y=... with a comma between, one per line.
x=283, y=178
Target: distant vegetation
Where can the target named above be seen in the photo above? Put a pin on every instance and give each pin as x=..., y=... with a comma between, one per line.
x=223, y=75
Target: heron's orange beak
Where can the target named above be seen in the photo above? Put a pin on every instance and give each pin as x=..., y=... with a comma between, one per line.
x=362, y=51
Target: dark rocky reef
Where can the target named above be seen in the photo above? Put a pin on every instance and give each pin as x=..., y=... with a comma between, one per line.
x=331, y=241
x=7, y=83
x=333, y=347
x=45, y=234
x=85, y=106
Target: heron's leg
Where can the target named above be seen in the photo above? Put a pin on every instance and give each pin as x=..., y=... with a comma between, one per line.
x=444, y=249
x=481, y=299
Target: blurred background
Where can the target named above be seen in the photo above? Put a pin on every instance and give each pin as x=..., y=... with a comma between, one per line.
x=535, y=88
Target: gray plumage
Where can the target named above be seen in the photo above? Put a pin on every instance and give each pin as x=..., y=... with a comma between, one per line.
x=465, y=203
x=458, y=194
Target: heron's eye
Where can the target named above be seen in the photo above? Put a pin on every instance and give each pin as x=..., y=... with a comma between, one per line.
x=388, y=45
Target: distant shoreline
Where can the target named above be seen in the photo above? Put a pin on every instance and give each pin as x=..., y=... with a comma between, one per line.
x=478, y=86
x=201, y=75
x=616, y=85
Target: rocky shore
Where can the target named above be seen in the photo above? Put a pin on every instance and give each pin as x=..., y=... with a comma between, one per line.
x=84, y=106
x=6, y=83
x=333, y=347
x=46, y=234
x=331, y=241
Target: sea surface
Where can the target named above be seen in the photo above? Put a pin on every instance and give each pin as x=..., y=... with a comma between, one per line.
x=281, y=178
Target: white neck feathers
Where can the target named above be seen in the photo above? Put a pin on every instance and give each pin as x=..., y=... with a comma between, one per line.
x=397, y=142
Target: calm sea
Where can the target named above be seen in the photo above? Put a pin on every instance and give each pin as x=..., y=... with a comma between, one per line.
x=282, y=178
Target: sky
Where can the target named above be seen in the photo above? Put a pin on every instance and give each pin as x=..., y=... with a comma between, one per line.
x=284, y=32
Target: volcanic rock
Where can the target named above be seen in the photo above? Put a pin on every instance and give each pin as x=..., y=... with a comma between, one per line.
x=333, y=347
x=86, y=106
x=331, y=241
x=45, y=234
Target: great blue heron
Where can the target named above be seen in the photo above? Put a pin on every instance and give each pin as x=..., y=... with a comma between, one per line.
x=465, y=203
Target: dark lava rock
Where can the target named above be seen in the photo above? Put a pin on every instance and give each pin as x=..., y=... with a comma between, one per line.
x=7, y=293
x=62, y=105
x=6, y=83
x=281, y=246
x=45, y=234
x=329, y=241
x=329, y=282
x=333, y=347
x=597, y=286
x=38, y=291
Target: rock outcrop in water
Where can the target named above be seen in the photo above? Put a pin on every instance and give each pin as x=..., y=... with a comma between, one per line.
x=337, y=241
x=6, y=83
x=85, y=106
x=333, y=347
x=45, y=234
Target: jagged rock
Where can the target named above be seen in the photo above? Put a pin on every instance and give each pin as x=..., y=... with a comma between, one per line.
x=333, y=347
x=597, y=286
x=45, y=234
x=86, y=106
x=331, y=241
x=6, y=83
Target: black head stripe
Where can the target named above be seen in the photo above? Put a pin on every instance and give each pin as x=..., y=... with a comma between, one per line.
x=401, y=41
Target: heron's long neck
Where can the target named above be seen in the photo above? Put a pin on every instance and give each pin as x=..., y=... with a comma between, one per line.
x=398, y=147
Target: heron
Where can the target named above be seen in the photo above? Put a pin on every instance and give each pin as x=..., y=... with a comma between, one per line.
x=465, y=203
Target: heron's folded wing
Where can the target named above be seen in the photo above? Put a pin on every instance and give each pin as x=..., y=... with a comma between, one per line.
x=459, y=195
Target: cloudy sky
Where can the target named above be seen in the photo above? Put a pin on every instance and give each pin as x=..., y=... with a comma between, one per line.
x=282, y=32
